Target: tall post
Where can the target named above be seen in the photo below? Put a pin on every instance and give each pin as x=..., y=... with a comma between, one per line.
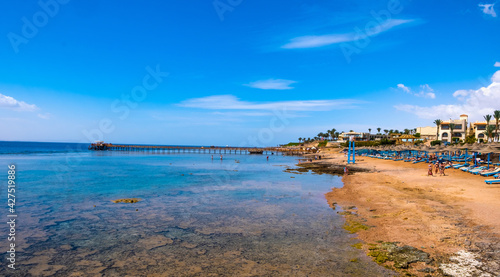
x=353, y=152
x=351, y=156
x=349, y=153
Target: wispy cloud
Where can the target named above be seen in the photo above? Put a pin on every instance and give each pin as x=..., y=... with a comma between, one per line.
x=324, y=40
x=475, y=103
x=9, y=102
x=488, y=9
x=497, y=64
x=425, y=91
x=278, y=84
x=404, y=88
x=44, y=115
x=231, y=102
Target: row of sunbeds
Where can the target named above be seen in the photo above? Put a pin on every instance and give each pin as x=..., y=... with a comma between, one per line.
x=481, y=170
x=464, y=166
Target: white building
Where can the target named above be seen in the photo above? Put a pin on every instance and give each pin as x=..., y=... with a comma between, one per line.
x=459, y=129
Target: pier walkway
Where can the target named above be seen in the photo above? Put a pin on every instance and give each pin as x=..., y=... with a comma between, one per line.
x=100, y=146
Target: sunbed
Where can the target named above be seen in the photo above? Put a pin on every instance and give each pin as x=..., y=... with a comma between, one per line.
x=490, y=173
x=492, y=181
x=476, y=170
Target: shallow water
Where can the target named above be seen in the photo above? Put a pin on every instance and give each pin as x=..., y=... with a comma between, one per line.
x=240, y=216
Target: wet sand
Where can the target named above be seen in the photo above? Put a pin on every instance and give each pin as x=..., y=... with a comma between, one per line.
x=397, y=202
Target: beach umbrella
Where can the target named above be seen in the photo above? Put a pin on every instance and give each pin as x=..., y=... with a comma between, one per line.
x=475, y=148
x=489, y=149
x=449, y=149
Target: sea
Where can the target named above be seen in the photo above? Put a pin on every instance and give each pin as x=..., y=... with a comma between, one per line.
x=243, y=215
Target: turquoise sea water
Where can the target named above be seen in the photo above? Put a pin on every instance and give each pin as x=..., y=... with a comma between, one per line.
x=242, y=216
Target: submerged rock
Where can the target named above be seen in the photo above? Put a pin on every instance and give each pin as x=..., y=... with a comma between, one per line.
x=402, y=256
x=127, y=200
x=336, y=169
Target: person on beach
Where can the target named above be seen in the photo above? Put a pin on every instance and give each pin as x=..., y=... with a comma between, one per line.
x=346, y=171
x=436, y=165
x=429, y=172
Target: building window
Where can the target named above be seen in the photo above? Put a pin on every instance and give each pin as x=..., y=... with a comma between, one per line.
x=481, y=136
x=445, y=127
x=444, y=135
x=481, y=127
x=458, y=126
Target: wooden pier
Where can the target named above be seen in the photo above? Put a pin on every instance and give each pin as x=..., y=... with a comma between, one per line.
x=101, y=146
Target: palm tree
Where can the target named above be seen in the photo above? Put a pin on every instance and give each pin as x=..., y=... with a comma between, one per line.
x=489, y=131
x=386, y=132
x=300, y=139
x=496, y=115
x=337, y=134
x=487, y=118
x=452, y=126
x=332, y=132
x=378, y=129
x=406, y=131
x=369, y=130
x=438, y=123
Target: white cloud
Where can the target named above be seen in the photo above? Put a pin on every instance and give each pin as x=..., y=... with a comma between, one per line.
x=488, y=9
x=404, y=88
x=13, y=104
x=496, y=77
x=425, y=91
x=323, y=40
x=475, y=103
x=231, y=102
x=497, y=64
x=278, y=84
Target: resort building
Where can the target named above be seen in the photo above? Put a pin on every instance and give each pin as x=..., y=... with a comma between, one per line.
x=479, y=128
x=428, y=133
x=459, y=131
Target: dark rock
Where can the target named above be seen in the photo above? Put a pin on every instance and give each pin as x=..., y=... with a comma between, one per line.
x=427, y=270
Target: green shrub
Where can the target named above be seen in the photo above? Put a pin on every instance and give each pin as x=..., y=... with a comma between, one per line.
x=322, y=143
x=387, y=141
x=362, y=143
x=435, y=142
x=470, y=138
x=291, y=144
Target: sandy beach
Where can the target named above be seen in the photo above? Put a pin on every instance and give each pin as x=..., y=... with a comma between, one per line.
x=396, y=201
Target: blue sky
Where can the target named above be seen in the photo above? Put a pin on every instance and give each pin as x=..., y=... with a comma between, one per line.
x=241, y=72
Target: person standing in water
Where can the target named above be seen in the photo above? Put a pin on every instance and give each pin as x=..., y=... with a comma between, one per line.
x=221, y=157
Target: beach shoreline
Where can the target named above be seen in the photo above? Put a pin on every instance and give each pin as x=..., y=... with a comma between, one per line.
x=393, y=201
